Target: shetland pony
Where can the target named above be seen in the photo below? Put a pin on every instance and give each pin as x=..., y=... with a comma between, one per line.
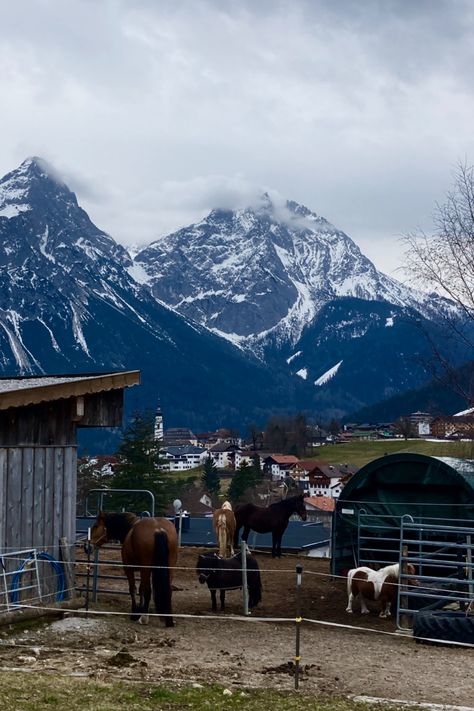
x=370, y=584
x=226, y=574
x=224, y=526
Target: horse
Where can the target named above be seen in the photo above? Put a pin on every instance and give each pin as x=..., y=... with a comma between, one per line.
x=149, y=545
x=226, y=574
x=270, y=519
x=371, y=584
x=224, y=526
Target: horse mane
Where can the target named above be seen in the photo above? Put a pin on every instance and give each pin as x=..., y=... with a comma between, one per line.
x=119, y=524
x=390, y=571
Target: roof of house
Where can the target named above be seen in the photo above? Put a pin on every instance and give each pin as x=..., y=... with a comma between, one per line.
x=283, y=458
x=23, y=391
x=325, y=503
x=180, y=450
x=223, y=447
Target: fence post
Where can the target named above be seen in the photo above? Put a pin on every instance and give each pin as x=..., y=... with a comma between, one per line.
x=298, y=620
x=245, y=590
x=88, y=568
x=95, y=574
x=67, y=566
x=404, y=617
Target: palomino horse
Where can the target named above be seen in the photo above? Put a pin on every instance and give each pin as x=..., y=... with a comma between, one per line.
x=149, y=545
x=224, y=526
x=226, y=574
x=371, y=584
x=271, y=519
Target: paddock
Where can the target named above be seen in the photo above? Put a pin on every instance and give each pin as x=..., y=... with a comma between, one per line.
x=368, y=658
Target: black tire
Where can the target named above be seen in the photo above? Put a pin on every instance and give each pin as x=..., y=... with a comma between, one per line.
x=443, y=625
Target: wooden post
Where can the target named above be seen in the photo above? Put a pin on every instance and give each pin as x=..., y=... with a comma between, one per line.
x=298, y=620
x=245, y=590
x=67, y=565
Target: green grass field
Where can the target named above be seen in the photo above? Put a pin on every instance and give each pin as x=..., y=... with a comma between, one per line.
x=29, y=692
x=360, y=453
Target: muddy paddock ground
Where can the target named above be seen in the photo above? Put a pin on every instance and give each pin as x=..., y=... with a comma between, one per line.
x=204, y=647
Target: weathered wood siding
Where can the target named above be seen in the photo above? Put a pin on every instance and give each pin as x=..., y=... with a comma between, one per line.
x=56, y=422
x=37, y=497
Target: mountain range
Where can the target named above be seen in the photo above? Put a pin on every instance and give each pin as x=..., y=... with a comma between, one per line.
x=247, y=313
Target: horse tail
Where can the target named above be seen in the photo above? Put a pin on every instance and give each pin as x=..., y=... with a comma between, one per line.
x=222, y=529
x=161, y=578
x=254, y=582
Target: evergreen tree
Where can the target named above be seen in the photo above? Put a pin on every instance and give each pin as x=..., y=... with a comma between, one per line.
x=138, y=455
x=244, y=478
x=210, y=477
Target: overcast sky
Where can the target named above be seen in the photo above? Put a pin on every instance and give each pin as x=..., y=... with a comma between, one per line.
x=157, y=111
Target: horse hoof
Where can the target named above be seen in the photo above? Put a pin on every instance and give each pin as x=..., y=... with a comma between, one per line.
x=144, y=619
x=349, y=611
x=169, y=622
x=365, y=612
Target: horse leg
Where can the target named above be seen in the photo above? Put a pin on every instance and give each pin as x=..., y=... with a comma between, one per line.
x=213, y=601
x=145, y=595
x=236, y=535
x=222, y=596
x=363, y=607
x=276, y=544
x=135, y=614
x=385, y=612
x=350, y=603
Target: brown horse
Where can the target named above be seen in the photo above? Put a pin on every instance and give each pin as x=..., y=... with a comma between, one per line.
x=271, y=519
x=149, y=545
x=224, y=526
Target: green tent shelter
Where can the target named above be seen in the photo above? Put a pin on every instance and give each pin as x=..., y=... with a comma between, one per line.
x=369, y=509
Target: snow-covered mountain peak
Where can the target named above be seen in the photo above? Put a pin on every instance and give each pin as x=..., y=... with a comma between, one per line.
x=264, y=271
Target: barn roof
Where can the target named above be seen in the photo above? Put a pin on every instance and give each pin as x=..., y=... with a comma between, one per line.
x=23, y=391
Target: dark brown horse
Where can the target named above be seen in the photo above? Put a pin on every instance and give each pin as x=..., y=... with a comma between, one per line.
x=149, y=545
x=270, y=519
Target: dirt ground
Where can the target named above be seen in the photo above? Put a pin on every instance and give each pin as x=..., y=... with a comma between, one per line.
x=206, y=647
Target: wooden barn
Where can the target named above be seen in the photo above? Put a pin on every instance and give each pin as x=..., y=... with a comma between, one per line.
x=39, y=418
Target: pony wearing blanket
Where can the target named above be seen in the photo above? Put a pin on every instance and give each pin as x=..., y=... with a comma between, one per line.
x=226, y=574
x=368, y=584
x=224, y=526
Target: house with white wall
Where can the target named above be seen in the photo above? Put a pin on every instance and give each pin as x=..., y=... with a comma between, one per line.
x=182, y=457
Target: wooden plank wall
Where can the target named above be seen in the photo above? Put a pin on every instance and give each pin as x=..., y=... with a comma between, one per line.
x=37, y=497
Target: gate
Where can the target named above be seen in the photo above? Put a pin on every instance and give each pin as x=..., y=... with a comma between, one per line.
x=443, y=558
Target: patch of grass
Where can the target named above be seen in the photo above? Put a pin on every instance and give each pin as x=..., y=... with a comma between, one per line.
x=360, y=453
x=36, y=692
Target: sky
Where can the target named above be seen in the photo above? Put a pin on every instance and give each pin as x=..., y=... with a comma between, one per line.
x=155, y=112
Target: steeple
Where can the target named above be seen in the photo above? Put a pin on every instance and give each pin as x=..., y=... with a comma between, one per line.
x=158, y=429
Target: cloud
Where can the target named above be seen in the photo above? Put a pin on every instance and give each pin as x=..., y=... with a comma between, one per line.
x=156, y=112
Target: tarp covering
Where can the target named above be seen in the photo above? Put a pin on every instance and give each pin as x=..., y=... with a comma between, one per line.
x=393, y=486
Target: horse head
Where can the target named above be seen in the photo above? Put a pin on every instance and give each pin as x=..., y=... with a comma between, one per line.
x=99, y=530
x=300, y=507
x=202, y=568
x=410, y=570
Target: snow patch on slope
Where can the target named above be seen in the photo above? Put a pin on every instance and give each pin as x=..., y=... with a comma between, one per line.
x=325, y=377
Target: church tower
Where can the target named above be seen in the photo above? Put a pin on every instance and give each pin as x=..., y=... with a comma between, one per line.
x=158, y=429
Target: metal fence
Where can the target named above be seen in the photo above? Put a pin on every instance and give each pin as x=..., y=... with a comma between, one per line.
x=443, y=558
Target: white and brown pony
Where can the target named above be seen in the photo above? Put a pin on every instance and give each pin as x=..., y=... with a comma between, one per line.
x=368, y=584
x=224, y=526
